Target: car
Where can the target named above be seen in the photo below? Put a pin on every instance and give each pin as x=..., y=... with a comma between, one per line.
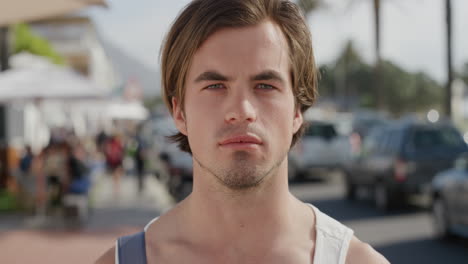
x=356, y=126
x=450, y=200
x=319, y=148
x=172, y=165
x=401, y=158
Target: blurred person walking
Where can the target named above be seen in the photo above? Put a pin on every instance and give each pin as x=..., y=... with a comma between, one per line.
x=26, y=179
x=114, y=152
x=50, y=168
x=237, y=77
x=140, y=158
x=76, y=200
x=101, y=139
x=57, y=174
x=26, y=160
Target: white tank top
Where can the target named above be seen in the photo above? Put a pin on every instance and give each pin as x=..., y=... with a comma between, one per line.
x=331, y=244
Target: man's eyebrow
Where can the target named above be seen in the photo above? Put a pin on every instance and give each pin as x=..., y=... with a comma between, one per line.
x=211, y=76
x=268, y=75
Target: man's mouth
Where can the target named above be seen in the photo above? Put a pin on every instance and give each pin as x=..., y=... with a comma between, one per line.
x=241, y=139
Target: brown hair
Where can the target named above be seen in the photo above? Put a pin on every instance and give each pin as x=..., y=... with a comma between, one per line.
x=201, y=18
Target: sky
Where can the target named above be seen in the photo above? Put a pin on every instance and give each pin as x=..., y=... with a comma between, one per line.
x=413, y=31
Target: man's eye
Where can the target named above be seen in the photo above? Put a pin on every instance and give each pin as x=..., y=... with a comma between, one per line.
x=215, y=86
x=263, y=86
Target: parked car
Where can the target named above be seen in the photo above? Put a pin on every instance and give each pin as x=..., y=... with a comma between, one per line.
x=401, y=159
x=319, y=148
x=180, y=168
x=450, y=200
x=172, y=166
x=356, y=126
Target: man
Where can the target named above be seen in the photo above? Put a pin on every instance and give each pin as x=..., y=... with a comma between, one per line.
x=237, y=76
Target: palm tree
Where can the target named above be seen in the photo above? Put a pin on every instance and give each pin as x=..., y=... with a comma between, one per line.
x=309, y=6
x=378, y=63
x=377, y=29
x=448, y=23
x=347, y=62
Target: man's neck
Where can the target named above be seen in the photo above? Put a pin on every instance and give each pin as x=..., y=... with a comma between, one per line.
x=264, y=211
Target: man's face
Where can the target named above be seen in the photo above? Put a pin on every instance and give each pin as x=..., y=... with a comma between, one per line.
x=239, y=106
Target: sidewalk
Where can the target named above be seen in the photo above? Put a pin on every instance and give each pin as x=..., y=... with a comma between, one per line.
x=112, y=216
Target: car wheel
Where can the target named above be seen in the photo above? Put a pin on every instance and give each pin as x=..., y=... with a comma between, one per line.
x=382, y=197
x=351, y=188
x=440, y=218
x=292, y=172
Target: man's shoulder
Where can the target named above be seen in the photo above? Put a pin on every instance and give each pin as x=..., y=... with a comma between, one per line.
x=107, y=258
x=362, y=253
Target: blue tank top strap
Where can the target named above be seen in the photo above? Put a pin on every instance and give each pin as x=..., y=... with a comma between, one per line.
x=131, y=249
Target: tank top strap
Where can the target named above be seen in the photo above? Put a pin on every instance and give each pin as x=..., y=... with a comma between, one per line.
x=333, y=238
x=131, y=249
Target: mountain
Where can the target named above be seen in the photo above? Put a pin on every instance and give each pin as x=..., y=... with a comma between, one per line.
x=129, y=68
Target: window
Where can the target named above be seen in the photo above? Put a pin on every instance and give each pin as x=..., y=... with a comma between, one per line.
x=426, y=138
x=326, y=131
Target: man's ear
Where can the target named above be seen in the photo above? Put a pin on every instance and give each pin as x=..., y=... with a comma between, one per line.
x=179, y=117
x=297, y=121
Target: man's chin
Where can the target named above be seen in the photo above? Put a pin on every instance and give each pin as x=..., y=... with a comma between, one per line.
x=242, y=176
x=241, y=184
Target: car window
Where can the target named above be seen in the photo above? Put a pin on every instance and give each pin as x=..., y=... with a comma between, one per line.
x=389, y=143
x=395, y=141
x=326, y=131
x=365, y=126
x=426, y=138
x=384, y=143
x=371, y=142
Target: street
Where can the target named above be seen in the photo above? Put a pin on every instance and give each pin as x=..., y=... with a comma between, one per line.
x=403, y=236
x=24, y=241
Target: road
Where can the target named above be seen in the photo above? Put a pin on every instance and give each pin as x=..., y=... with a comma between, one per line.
x=402, y=236
x=26, y=241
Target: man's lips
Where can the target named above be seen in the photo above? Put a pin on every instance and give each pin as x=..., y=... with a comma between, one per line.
x=242, y=139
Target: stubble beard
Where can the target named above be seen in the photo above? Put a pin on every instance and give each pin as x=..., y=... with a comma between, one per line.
x=243, y=173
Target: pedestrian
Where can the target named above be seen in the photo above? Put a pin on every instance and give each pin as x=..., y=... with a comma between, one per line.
x=26, y=160
x=55, y=169
x=78, y=170
x=114, y=152
x=140, y=158
x=26, y=180
x=237, y=77
x=101, y=139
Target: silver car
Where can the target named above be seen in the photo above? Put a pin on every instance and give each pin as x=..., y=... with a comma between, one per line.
x=321, y=147
x=450, y=200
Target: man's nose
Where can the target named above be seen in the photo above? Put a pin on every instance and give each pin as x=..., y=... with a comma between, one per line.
x=241, y=108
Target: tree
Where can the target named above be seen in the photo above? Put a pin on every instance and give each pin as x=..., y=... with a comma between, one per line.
x=409, y=92
x=26, y=40
x=377, y=37
x=348, y=62
x=448, y=87
x=404, y=91
x=308, y=6
x=311, y=5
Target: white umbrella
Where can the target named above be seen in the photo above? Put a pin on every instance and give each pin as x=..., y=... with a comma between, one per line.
x=14, y=11
x=34, y=77
x=36, y=83
x=127, y=111
x=26, y=60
